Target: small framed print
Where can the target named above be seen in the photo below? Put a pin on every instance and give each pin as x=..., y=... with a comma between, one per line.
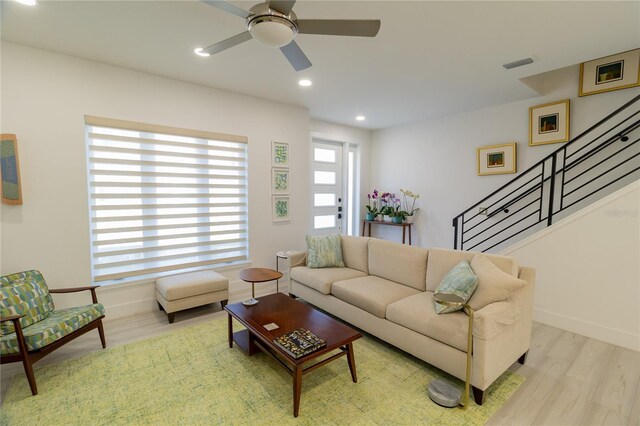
x=496, y=159
x=279, y=154
x=280, y=181
x=10, y=170
x=614, y=72
x=549, y=123
x=281, y=208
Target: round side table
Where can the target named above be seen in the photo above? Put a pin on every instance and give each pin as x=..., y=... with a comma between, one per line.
x=257, y=275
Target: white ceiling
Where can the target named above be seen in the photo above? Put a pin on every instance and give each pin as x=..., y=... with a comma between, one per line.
x=430, y=59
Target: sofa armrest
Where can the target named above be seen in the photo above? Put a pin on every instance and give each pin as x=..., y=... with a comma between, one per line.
x=490, y=320
x=298, y=258
x=496, y=317
x=91, y=288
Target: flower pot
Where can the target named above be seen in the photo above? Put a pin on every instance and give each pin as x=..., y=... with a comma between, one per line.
x=371, y=216
x=396, y=219
x=408, y=219
x=386, y=218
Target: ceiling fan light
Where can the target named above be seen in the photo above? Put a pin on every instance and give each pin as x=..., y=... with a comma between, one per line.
x=273, y=31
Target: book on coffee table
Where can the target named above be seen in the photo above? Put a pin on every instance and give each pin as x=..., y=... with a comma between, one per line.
x=299, y=342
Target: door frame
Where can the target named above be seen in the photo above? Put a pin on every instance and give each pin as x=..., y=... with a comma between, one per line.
x=347, y=145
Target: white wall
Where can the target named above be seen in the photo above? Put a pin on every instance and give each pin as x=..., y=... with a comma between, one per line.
x=437, y=158
x=44, y=98
x=588, y=275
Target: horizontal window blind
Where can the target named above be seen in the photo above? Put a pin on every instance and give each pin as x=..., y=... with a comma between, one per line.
x=164, y=199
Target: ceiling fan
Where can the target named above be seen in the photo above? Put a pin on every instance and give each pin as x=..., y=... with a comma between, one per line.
x=274, y=24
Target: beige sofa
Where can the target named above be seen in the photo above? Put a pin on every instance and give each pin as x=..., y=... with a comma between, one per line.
x=386, y=289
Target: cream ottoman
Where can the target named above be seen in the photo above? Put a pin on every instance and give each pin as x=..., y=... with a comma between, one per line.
x=184, y=291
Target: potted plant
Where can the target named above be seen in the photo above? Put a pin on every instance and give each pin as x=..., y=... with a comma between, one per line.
x=397, y=215
x=372, y=210
x=387, y=199
x=409, y=204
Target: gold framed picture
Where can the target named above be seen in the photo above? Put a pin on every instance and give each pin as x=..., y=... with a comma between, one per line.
x=497, y=159
x=549, y=123
x=615, y=72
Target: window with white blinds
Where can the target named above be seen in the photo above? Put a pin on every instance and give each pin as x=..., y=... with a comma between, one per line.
x=164, y=199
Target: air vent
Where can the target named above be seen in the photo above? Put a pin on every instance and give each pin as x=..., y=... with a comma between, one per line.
x=519, y=63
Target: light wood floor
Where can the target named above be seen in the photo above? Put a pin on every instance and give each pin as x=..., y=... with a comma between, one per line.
x=571, y=379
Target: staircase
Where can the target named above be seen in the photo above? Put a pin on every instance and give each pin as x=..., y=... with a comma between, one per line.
x=602, y=159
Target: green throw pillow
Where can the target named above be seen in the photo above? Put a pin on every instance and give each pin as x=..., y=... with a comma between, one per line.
x=324, y=252
x=461, y=281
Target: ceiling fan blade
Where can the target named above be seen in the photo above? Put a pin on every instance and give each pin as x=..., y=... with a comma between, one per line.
x=228, y=7
x=225, y=44
x=340, y=27
x=282, y=6
x=296, y=56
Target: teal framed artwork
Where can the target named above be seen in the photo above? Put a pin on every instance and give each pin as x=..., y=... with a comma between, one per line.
x=10, y=170
x=280, y=154
x=281, y=208
x=280, y=181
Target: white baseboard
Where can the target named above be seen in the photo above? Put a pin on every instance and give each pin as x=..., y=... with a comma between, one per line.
x=589, y=329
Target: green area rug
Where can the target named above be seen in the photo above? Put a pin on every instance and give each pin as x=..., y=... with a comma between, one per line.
x=192, y=377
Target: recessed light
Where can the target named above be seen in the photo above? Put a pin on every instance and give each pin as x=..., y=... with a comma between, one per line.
x=305, y=83
x=360, y=118
x=199, y=52
x=27, y=2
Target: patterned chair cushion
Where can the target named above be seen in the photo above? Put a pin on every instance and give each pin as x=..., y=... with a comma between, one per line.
x=57, y=325
x=24, y=293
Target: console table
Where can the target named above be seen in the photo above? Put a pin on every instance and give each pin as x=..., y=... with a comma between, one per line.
x=404, y=226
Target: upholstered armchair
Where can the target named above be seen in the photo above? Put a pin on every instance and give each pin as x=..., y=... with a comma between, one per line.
x=31, y=328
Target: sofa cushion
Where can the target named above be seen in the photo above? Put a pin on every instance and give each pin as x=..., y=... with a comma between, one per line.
x=460, y=281
x=57, y=325
x=494, y=285
x=355, y=252
x=399, y=262
x=321, y=279
x=370, y=293
x=418, y=313
x=324, y=252
x=442, y=260
x=25, y=293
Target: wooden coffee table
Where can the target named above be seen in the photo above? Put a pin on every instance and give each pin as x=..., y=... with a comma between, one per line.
x=289, y=314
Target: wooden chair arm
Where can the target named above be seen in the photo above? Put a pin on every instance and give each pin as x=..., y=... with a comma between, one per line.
x=13, y=318
x=22, y=344
x=92, y=288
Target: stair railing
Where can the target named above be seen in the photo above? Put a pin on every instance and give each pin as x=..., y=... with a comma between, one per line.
x=606, y=155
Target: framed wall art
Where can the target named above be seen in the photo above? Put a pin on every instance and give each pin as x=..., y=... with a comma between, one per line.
x=613, y=72
x=549, y=123
x=281, y=208
x=280, y=181
x=496, y=159
x=279, y=154
x=10, y=170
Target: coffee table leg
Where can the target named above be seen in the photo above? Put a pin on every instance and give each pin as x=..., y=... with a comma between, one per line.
x=230, y=331
x=352, y=362
x=297, y=389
